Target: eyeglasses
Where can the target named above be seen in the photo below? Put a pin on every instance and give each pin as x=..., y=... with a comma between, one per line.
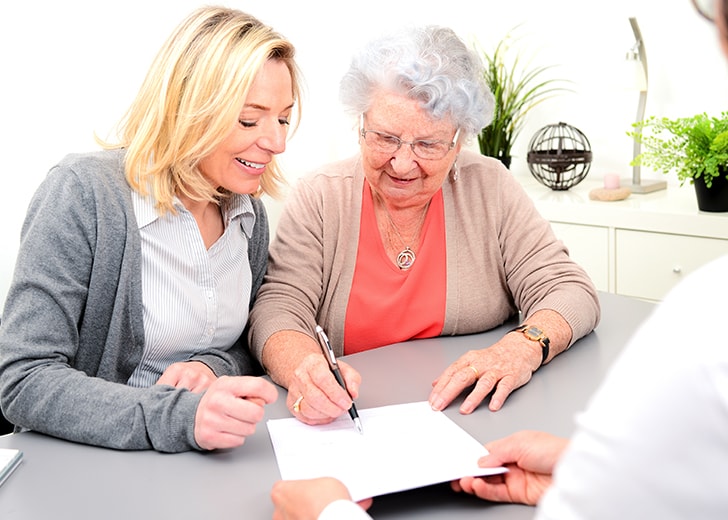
x=422, y=148
x=706, y=8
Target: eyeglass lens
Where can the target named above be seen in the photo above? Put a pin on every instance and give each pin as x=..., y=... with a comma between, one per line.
x=423, y=149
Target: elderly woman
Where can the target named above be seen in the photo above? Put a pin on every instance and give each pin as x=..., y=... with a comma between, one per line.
x=138, y=263
x=415, y=237
x=681, y=420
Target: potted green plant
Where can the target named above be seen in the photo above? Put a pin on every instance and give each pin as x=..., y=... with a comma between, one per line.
x=695, y=148
x=517, y=88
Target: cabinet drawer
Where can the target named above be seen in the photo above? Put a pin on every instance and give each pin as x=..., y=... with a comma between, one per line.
x=648, y=265
x=589, y=247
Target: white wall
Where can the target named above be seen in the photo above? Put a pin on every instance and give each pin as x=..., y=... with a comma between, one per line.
x=71, y=68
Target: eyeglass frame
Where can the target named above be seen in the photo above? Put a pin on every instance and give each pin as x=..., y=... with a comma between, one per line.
x=707, y=12
x=451, y=144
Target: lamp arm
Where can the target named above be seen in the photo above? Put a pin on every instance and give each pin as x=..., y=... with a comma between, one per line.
x=640, y=45
x=637, y=147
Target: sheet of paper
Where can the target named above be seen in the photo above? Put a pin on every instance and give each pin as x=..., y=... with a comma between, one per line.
x=403, y=446
x=9, y=460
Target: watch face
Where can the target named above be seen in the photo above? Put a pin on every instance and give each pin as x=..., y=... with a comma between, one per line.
x=533, y=333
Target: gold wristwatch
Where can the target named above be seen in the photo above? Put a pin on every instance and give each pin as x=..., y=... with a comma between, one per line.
x=535, y=334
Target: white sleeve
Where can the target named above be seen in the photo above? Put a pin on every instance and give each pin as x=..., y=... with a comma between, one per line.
x=343, y=510
x=664, y=401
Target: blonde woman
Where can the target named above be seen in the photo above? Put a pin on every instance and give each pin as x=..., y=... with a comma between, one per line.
x=124, y=323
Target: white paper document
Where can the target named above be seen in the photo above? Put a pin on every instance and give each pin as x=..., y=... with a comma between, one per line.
x=403, y=446
x=9, y=460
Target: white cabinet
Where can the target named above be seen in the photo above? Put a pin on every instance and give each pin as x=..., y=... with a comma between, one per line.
x=641, y=246
x=650, y=264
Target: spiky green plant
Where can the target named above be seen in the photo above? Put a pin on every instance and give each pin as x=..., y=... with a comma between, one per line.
x=517, y=88
x=692, y=147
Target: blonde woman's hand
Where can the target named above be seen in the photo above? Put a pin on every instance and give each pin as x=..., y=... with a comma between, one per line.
x=192, y=375
x=230, y=409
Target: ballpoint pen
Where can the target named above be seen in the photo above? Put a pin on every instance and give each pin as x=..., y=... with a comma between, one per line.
x=334, y=366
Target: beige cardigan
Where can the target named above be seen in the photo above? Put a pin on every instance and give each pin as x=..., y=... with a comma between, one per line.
x=502, y=256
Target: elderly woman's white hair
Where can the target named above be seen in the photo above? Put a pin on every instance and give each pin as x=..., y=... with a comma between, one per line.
x=430, y=64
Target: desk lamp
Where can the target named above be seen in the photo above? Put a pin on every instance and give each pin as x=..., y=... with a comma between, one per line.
x=638, y=58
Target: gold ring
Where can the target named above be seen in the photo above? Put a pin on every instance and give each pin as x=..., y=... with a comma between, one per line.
x=475, y=371
x=297, y=405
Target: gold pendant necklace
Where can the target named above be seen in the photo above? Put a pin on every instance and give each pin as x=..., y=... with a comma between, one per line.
x=406, y=258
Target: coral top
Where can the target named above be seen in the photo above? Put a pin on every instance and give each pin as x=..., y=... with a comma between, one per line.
x=386, y=304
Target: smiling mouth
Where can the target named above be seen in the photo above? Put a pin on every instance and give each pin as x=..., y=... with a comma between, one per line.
x=397, y=179
x=249, y=164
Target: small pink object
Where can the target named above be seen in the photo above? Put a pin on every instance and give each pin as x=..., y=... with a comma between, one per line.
x=611, y=181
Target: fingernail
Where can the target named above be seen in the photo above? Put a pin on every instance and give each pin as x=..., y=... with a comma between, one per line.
x=436, y=404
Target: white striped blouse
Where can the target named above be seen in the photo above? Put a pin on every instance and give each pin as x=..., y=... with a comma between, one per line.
x=194, y=298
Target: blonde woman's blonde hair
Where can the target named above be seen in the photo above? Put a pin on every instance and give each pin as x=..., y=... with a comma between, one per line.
x=191, y=99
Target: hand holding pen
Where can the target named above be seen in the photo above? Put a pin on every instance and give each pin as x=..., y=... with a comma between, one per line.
x=334, y=366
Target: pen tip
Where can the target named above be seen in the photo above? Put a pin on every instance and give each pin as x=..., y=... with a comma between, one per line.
x=358, y=426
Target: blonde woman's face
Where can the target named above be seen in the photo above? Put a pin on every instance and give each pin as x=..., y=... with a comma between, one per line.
x=239, y=161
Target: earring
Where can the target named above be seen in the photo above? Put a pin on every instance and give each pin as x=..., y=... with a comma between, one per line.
x=454, y=171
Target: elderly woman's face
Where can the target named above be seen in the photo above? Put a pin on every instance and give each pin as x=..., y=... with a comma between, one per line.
x=402, y=178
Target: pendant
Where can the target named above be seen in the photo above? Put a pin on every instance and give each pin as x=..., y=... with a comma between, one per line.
x=406, y=258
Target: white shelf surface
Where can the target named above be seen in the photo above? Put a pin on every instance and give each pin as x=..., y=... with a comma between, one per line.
x=672, y=210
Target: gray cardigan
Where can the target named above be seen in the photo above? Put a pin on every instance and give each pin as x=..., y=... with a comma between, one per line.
x=72, y=329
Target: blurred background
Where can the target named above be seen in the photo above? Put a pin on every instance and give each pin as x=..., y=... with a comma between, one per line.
x=70, y=69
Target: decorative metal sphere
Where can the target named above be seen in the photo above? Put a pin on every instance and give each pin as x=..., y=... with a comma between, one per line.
x=559, y=156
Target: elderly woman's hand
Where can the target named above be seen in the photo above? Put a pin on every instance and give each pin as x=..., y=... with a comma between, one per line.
x=295, y=361
x=314, y=395
x=501, y=368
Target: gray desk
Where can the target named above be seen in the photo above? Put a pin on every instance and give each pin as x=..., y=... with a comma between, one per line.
x=63, y=480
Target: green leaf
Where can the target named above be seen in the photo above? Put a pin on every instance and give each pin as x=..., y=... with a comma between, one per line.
x=692, y=147
x=517, y=88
